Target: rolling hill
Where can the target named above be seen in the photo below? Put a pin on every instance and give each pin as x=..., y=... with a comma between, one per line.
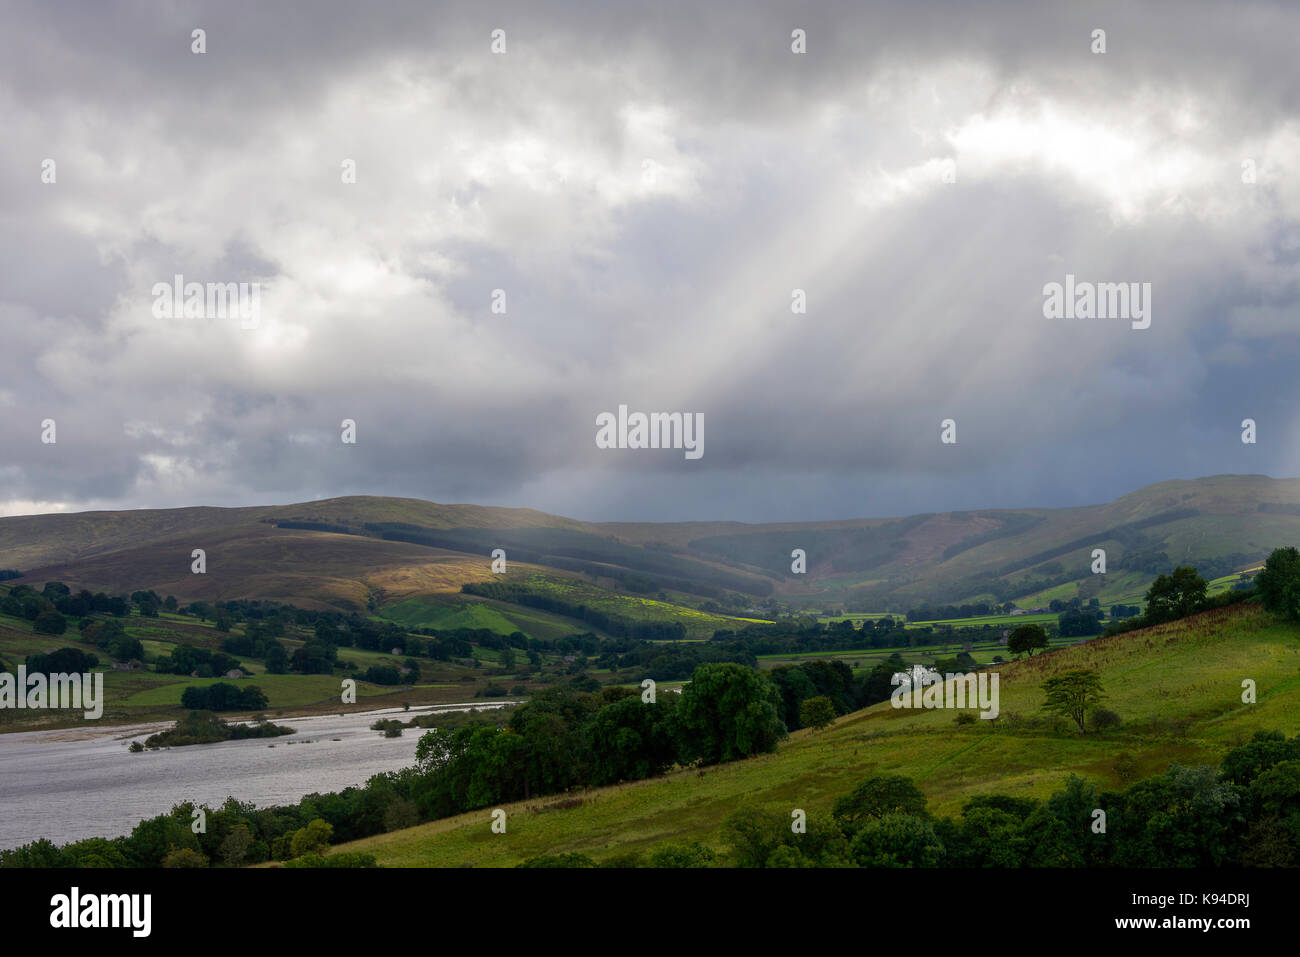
x=357, y=552
x=1176, y=687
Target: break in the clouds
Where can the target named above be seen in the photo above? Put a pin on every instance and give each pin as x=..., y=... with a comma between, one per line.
x=646, y=187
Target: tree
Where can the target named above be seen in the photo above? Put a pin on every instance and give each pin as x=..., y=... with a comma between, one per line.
x=898, y=840
x=1073, y=694
x=51, y=623
x=682, y=855
x=794, y=686
x=1175, y=596
x=1277, y=790
x=277, y=660
x=312, y=839
x=1074, y=624
x=1058, y=832
x=816, y=713
x=1279, y=583
x=1026, y=639
x=66, y=661
x=988, y=837
x=874, y=798
x=184, y=857
x=761, y=838
x=1243, y=764
x=630, y=739
x=234, y=848
x=1187, y=817
x=728, y=712
x=99, y=852
x=153, y=839
x=401, y=814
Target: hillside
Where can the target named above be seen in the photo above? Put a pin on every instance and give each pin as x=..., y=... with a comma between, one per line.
x=1177, y=688
x=358, y=552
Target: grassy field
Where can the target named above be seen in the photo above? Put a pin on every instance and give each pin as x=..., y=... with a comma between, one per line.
x=1177, y=688
x=427, y=611
x=698, y=624
x=282, y=691
x=149, y=696
x=1004, y=621
x=449, y=612
x=982, y=651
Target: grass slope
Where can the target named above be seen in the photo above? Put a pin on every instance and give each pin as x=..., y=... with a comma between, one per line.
x=1177, y=688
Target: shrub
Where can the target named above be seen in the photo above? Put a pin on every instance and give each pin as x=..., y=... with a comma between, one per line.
x=875, y=798
x=313, y=838
x=401, y=814
x=1125, y=768
x=559, y=860
x=51, y=623
x=817, y=712
x=682, y=855
x=184, y=857
x=235, y=847
x=390, y=727
x=383, y=675
x=1103, y=719
x=348, y=859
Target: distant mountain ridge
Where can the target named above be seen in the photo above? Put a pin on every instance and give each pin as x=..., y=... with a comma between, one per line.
x=346, y=551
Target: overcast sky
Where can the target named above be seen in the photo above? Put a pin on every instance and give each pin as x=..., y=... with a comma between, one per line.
x=647, y=184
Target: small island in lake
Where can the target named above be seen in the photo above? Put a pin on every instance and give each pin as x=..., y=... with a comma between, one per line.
x=204, y=727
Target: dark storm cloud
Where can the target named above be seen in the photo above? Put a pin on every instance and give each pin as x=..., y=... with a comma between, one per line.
x=647, y=184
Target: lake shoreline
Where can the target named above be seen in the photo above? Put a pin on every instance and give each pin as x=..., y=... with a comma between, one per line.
x=69, y=784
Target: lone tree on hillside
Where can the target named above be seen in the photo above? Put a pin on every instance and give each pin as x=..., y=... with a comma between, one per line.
x=1175, y=596
x=1026, y=639
x=1073, y=694
x=816, y=713
x=1279, y=583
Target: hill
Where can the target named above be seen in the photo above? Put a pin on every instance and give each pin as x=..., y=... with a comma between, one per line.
x=1176, y=687
x=371, y=553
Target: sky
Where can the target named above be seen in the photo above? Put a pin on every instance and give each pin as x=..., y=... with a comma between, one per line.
x=624, y=204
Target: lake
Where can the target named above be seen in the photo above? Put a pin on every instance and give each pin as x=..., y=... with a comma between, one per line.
x=76, y=783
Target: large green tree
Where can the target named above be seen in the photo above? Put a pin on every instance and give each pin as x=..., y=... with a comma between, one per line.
x=632, y=739
x=1279, y=583
x=1026, y=639
x=728, y=712
x=1175, y=596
